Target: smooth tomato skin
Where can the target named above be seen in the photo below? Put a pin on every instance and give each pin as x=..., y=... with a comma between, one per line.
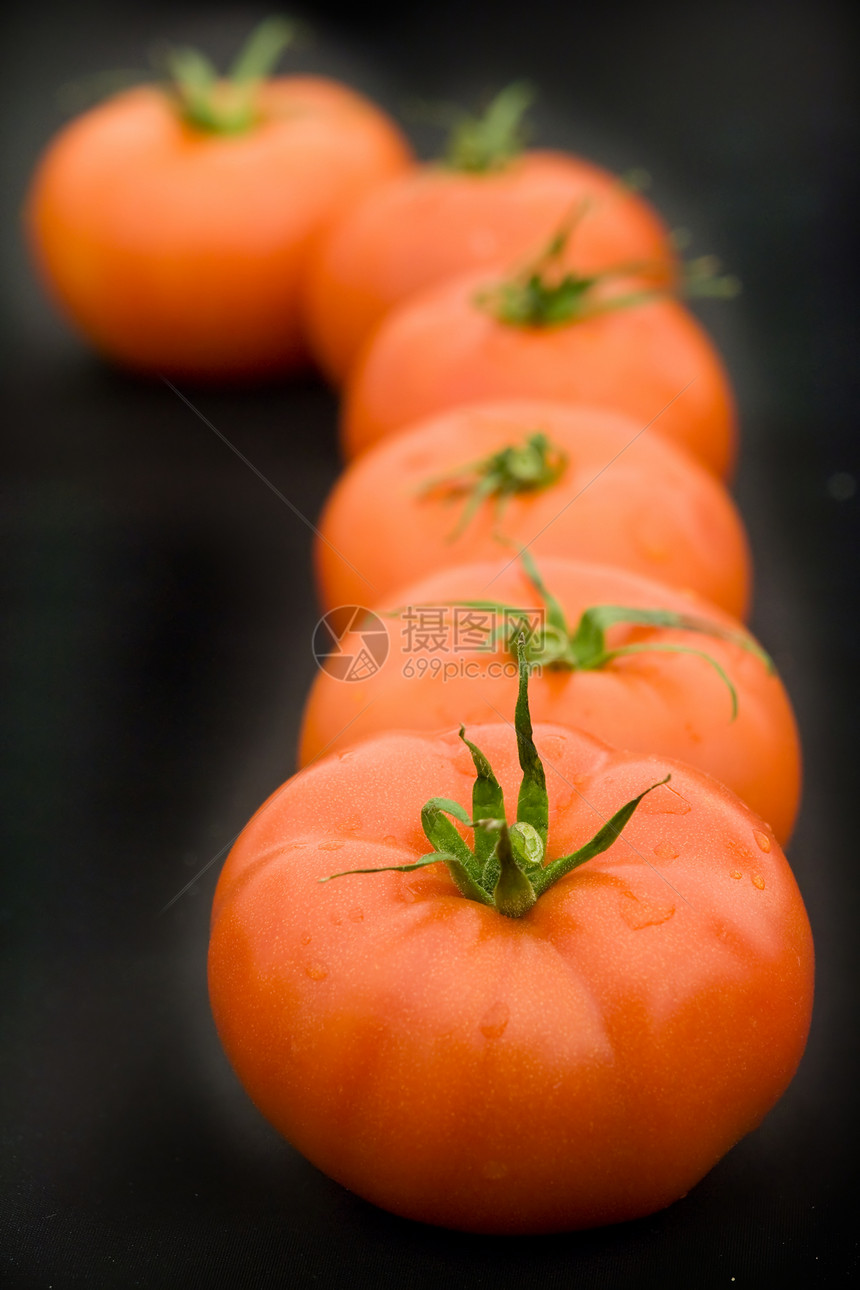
x=585, y=1064
x=628, y=499
x=674, y=705
x=440, y=349
x=431, y=223
x=181, y=252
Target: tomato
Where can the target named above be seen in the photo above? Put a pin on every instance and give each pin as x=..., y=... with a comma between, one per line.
x=177, y=247
x=437, y=220
x=463, y=1055
x=592, y=487
x=441, y=669
x=448, y=346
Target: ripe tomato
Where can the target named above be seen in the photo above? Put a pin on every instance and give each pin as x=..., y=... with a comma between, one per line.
x=447, y=346
x=440, y=671
x=593, y=488
x=584, y=1062
x=178, y=249
x=437, y=220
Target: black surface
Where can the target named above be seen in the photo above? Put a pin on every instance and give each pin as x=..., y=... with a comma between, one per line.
x=156, y=651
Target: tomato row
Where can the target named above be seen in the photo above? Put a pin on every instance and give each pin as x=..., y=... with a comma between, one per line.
x=502, y=1018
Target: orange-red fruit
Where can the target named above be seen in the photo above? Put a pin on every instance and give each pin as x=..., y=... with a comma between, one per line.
x=439, y=672
x=584, y=1064
x=652, y=361
x=180, y=251
x=434, y=222
x=625, y=498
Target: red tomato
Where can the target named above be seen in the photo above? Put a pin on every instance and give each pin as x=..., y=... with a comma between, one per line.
x=609, y=494
x=584, y=1063
x=440, y=671
x=446, y=347
x=177, y=249
x=435, y=221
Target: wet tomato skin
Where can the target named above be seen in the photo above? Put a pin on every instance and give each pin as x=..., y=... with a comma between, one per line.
x=584, y=1064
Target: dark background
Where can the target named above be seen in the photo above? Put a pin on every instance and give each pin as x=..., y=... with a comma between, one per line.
x=158, y=610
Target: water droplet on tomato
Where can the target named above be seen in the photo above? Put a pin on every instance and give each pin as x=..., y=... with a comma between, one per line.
x=553, y=747
x=757, y=881
x=329, y=846
x=356, y=914
x=665, y=851
x=736, y=873
x=390, y=840
x=352, y=825
x=495, y=1020
x=316, y=971
x=762, y=839
x=638, y=913
x=306, y=939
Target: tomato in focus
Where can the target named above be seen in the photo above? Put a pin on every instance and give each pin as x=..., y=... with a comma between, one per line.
x=583, y=1064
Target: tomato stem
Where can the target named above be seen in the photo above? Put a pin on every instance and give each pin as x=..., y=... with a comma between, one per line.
x=226, y=105
x=507, y=869
x=482, y=144
x=531, y=466
x=543, y=294
x=554, y=644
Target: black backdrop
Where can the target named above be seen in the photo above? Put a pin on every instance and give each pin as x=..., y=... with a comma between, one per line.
x=158, y=610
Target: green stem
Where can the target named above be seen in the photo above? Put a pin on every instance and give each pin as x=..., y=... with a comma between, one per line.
x=226, y=105
x=584, y=649
x=544, y=294
x=514, y=873
x=513, y=893
x=481, y=144
x=528, y=467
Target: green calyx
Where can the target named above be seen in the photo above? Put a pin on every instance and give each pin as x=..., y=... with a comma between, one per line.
x=543, y=294
x=226, y=105
x=520, y=468
x=583, y=648
x=482, y=144
x=507, y=867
